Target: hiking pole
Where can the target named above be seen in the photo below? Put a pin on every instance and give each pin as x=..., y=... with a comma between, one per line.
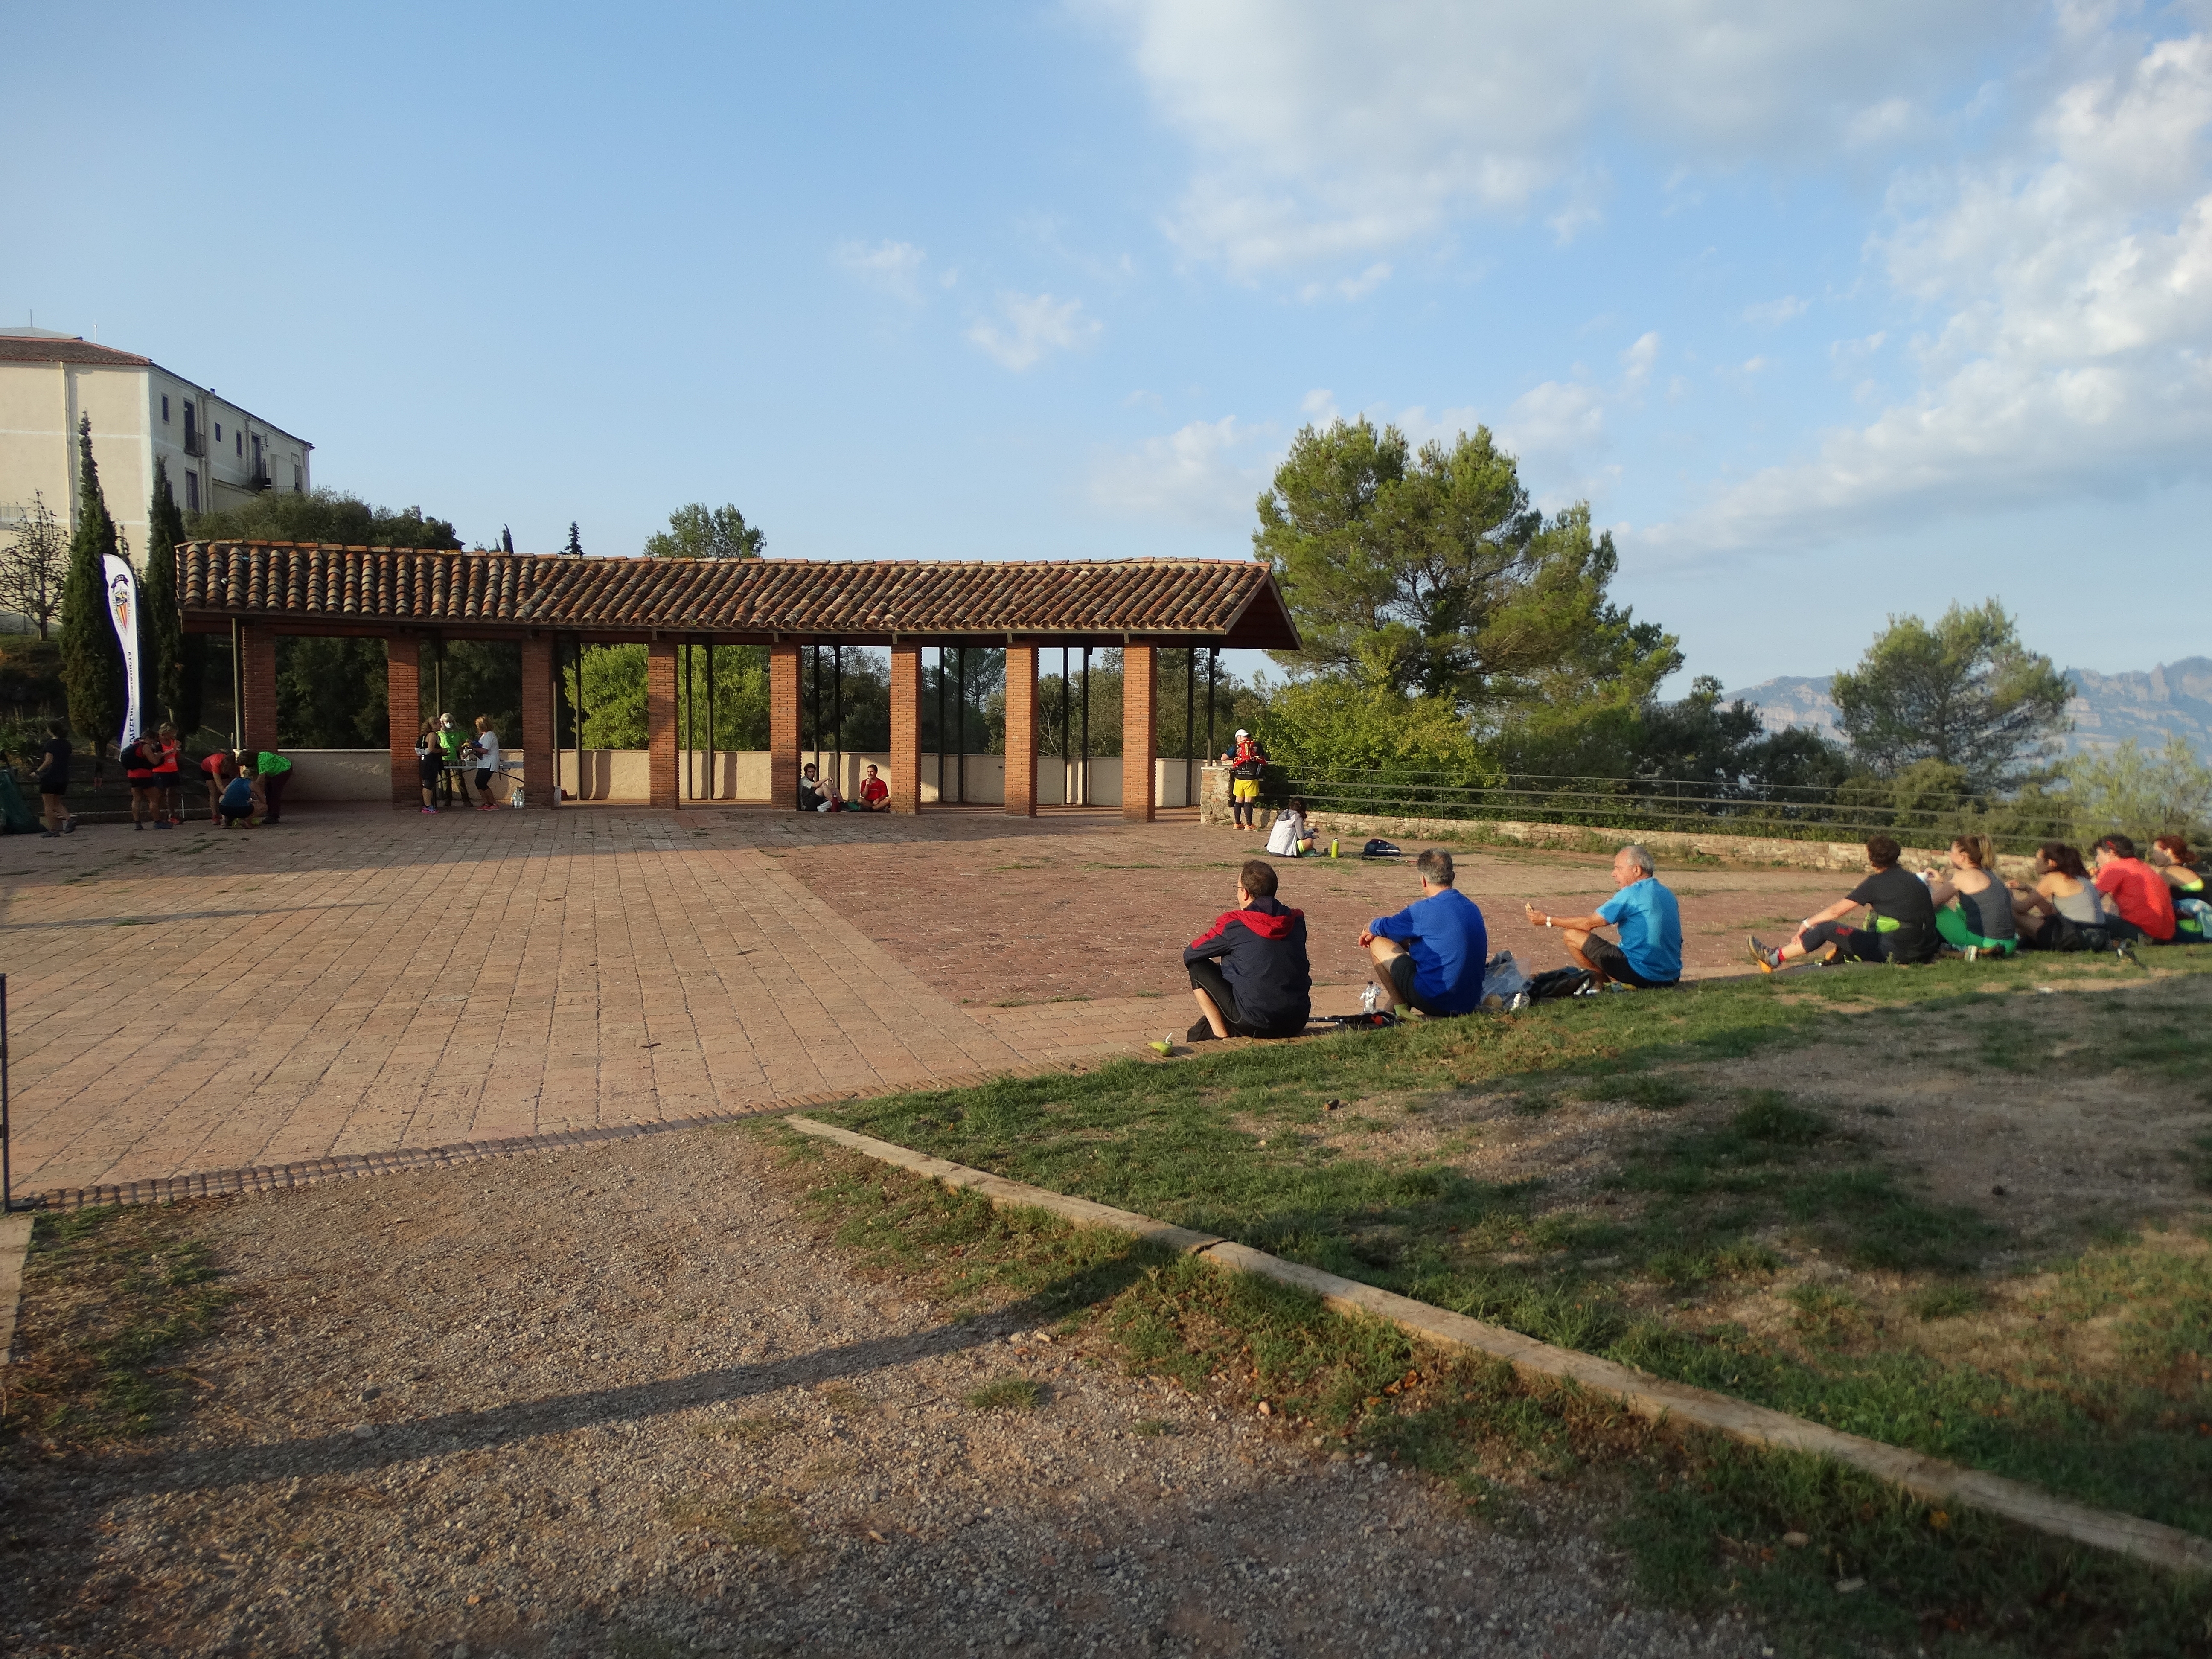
x=7, y=1189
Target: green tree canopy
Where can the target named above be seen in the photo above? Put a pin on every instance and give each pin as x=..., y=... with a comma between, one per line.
x=323, y=515
x=699, y=531
x=91, y=657
x=1431, y=574
x=2142, y=792
x=1964, y=693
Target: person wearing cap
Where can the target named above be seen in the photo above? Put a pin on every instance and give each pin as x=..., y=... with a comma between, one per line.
x=452, y=740
x=1248, y=765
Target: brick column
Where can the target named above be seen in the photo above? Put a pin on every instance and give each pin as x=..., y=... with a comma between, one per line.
x=403, y=713
x=783, y=726
x=660, y=724
x=906, y=728
x=258, y=647
x=1140, y=689
x=1021, y=730
x=541, y=768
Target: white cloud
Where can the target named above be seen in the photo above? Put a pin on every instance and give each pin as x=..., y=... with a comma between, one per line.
x=1030, y=327
x=1206, y=473
x=2073, y=281
x=1350, y=287
x=1772, y=313
x=892, y=268
x=1321, y=131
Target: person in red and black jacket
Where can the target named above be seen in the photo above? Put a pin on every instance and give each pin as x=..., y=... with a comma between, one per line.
x=1249, y=971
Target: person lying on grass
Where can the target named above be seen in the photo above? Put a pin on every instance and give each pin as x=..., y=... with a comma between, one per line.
x=1900, y=919
x=1649, y=954
x=1249, y=972
x=1973, y=908
x=1432, y=953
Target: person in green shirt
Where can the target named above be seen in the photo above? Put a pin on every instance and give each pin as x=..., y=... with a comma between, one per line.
x=451, y=739
x=274, y=771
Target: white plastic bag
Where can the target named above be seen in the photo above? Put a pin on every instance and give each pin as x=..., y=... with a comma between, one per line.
x=1503, y=978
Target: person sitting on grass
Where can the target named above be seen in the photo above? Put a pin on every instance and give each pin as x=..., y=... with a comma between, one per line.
x=2063, y=911
x=875, y=793
x=1249, y=972
x=1433, y=952
x=1973, y=908
x=1900, y=920
x=2191, y=881
x=1649, y=954
x=2138, y=892
x=1290, y=837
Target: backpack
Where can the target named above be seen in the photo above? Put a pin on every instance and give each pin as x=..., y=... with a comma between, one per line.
x=1558, y=982
x=1379, y=848
x=1253, y=768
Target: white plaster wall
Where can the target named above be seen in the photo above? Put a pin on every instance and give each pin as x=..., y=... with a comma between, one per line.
x=339, y=774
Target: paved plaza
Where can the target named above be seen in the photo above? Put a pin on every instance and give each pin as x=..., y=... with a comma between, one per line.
x=360, y=981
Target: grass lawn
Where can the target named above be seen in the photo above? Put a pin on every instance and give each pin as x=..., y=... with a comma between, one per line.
x=1772, y=1187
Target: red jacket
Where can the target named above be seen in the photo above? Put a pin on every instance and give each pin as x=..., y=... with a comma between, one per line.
x=1262, y=953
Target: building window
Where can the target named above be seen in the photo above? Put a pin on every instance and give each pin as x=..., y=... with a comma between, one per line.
x=218, y=431
x=165, y=409
x=191, y=490
x=296, y=478
x=238, y=442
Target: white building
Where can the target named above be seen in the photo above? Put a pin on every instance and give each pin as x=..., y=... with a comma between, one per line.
x=218, y=455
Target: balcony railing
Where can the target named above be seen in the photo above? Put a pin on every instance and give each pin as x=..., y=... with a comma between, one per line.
x=195, y=441
x=259, y=481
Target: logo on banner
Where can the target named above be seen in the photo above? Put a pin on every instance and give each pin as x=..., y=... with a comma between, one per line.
x=123, y=611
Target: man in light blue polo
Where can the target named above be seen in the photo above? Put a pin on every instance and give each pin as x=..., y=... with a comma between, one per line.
x=1649, y=954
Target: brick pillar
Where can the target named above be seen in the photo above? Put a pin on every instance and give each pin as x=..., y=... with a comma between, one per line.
x=258, y=647
x=906, y=728
x=660, y=724
x=1021, y=730
x=1140, y=692
x=541, y=768
x=783, y=727
x=403, y=713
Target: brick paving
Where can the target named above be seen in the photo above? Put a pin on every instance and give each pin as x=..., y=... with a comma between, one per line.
x=362, y=983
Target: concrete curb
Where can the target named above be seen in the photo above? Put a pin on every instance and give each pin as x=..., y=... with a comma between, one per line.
x=15, y=1245
x=1928, y=1477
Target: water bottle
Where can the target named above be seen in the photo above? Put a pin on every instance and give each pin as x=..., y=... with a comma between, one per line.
x=1369, y=997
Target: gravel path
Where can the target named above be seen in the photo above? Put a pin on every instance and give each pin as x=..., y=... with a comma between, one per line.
x=625, y=1401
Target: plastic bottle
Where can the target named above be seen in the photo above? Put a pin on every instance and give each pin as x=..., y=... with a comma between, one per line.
x=1369, y=997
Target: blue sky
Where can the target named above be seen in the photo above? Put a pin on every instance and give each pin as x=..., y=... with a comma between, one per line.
x=1831, y=312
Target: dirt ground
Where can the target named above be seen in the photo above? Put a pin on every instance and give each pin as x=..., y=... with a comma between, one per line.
x=626, y=1401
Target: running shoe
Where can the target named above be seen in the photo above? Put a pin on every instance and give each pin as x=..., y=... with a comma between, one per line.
x=1767, y=959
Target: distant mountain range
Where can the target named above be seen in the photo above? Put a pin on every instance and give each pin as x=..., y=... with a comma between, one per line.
x=2108, y=709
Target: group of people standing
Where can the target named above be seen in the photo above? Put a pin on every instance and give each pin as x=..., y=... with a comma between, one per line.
x=2112, y=901
x=445, y=756
x=244, y=786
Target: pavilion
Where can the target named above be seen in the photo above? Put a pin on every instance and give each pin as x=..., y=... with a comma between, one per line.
x=553, y=605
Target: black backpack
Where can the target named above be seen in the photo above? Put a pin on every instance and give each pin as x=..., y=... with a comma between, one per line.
x=1254, y=769
x=1379, y=848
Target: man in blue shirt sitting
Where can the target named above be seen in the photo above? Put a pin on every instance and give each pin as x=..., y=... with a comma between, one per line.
x=1433, y=952
x=1649, y=954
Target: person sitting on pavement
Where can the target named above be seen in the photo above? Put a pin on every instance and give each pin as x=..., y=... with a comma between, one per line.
x=2063, y=911
x=875, y=793
x=2191, y=881
x=1290, y=837
x=1900, y=919
x=1248, y=767
x=2138, y=892
x=1249, y=972
x=1973, y=908
x=1433, y=952
x=814, y=795
x=1649, y=954
x=239, y=803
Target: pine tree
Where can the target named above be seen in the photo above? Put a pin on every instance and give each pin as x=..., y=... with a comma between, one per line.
x=575, y=547
x=160, y=629
x=91, y=657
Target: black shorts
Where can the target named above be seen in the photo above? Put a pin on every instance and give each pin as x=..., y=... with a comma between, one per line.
x=1206, y=975
x=431, y=771
x=1609, y=959
x=1401, y=970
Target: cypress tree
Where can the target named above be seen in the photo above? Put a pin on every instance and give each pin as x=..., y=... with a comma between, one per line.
x=506, y=539
x=575, y=547
x=91, y=657
x=161, y=631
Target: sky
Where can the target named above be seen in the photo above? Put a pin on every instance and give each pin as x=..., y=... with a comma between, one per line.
x=1829, y=312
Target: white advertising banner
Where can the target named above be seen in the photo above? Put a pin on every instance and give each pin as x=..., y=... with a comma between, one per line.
x=123, y=611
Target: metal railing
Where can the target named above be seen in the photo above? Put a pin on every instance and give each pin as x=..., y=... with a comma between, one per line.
x=1782, y=811
x=195, y=442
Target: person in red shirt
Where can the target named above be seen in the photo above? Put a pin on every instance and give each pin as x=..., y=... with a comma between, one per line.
x=145, y=792
x=875, y=793
x=2143, y=899
x=211, y=769
x=166, y=749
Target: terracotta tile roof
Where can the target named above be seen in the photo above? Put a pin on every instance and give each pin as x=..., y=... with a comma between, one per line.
x=1227, y=602
x=33, y=349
